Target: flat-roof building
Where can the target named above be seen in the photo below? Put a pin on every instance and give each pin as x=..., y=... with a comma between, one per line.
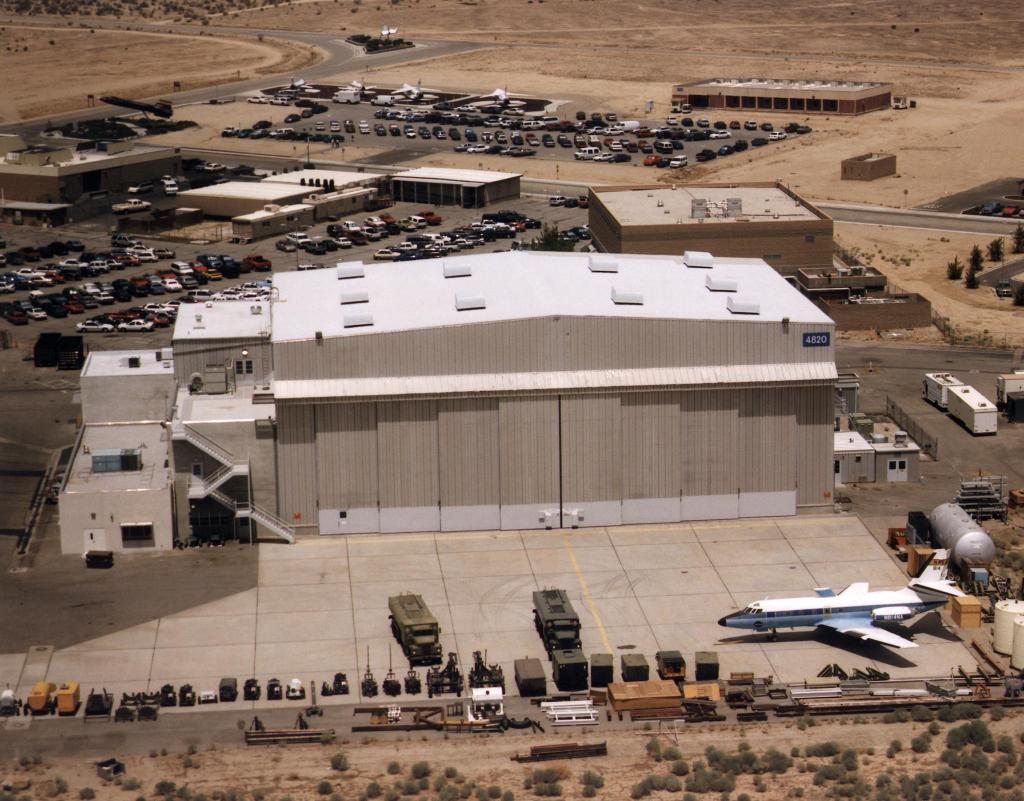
x=868, y=167
x=62, y=174
x=784, y=95
x=765, y=221
x=236, y=198
x=501, y=391
x=442, y=186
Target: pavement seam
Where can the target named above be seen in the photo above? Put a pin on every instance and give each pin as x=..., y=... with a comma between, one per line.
x=632, y=589
x=585, y=588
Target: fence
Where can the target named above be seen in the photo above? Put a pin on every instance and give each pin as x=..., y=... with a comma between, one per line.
x=929, y=444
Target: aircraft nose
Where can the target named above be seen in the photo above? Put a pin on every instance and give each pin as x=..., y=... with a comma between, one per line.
x=723, y=621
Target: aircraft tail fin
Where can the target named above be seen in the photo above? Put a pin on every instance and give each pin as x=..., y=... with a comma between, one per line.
x=932, y=581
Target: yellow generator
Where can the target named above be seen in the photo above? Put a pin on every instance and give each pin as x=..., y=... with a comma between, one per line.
x=68, y=698
x=41, y=700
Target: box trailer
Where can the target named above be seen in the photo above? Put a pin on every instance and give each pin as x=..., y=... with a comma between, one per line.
x=977, y=413
x=935, y=388
x=349, y=96
x=70, y=353
x=1007, y=383
x=44, y=354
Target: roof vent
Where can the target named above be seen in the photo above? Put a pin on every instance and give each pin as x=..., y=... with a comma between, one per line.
x=718, y=284
x=602, y=263
x=741, y=306
x=456, y=270
x=698, y=258
x=358, y=320
x=470, y=302
x=350, y=269
x=623, y=298
x=355, y=296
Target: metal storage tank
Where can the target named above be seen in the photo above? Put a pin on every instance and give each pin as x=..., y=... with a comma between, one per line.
x=1017, y=657
x=1006, y=613
x=966, y=541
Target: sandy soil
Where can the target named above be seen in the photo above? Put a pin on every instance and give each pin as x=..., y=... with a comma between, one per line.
x=915, y=261
x=295, y=772
x=56, y=68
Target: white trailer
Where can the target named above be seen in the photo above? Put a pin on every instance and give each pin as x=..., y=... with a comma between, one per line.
x=974, y=410
x=347, y=96
x=935, y=388
x=1007, y=383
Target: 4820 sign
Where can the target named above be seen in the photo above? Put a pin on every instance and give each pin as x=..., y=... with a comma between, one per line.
x=817, y=339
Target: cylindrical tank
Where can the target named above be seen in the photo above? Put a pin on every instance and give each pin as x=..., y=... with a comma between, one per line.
x=956, y=531
x=1017, y=657
x=1006, y=613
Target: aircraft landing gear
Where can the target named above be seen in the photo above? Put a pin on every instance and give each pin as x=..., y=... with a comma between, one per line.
x=773, y=635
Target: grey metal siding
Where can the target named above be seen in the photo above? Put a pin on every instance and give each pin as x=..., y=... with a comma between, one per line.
x=407, y=454
x=651, y=432
x=297, y=465
x=468, y=461
x=814, y=421
x=193, y=356
x=591, y=448
x=528, y=431
x=767, y=429
x=547, y=344
x=346, y=448
x=710, y=443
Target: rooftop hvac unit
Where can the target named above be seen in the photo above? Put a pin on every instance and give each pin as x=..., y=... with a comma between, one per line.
x=719, y=284
x=602, y=263
x=350, y=269
x=360, y=320
x=740, y=306
x=134, y=362
x=355, y=296
x=257, y=309
x=622, y=297
x=458, y=270
x=698, y=208
x=470, y=302
x=733, y=206
x=698, y=258
x=900, y=438
x=116, y=460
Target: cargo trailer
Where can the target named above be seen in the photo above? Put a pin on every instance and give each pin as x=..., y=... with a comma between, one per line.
x=935, y=388
x=602, y=667
x=976, y=412
x=44, y=354
x=1006, y=384
x=1015, y=407
x=569, y=669
x=70, y=353
x=530, y=678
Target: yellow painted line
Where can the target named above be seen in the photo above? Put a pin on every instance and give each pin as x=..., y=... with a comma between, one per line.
x=587, y=598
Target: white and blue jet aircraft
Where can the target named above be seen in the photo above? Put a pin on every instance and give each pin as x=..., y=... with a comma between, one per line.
x=854, y=611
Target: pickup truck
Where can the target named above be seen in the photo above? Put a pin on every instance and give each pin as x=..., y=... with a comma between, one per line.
x=131, y=205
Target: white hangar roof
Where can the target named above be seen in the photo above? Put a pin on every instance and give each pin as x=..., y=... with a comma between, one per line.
x=357, y=299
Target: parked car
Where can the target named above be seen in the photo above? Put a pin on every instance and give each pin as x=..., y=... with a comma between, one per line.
x=93, y=327
x=135, y=325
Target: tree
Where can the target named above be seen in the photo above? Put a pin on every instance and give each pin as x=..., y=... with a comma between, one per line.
x=954, y=269
x=1018, y=238
x=995, y=249
x=551, y=239
x=977, y=260
x=971, y=281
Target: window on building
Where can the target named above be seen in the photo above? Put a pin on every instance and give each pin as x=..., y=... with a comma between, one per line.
x=892, y=464
x=197, y=469
x=243, y=367
x=809, y=238
x=856, y=459
x=136, y=532
x=902, y=464
x=836, y=467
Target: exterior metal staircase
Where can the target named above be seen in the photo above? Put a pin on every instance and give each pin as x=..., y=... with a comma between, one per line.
x=209, y=486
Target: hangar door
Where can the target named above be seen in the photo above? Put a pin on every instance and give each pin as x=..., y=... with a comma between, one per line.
x=560, y=461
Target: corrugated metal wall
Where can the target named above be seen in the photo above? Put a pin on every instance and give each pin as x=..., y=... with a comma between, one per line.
x=549, y=343
x=526, y=454
x=297, y=465
x=468, y=461
x=346, y=442
x=192, y=356
x=407, y=454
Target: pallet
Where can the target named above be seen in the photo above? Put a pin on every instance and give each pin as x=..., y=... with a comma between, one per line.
x=287, y=736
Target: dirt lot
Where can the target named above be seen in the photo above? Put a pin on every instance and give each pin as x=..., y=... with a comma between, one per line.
x=484, y=761
x=915, y=261
x=55, y=68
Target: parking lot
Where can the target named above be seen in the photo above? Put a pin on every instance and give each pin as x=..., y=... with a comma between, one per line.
x=320, y=606
x=96, y=238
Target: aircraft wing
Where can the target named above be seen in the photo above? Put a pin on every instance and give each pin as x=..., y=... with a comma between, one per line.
x=866, y=630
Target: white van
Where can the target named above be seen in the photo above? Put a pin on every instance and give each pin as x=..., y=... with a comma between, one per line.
x=170, y=187
x=347, y=96
x=587, y=153
x=383, y=100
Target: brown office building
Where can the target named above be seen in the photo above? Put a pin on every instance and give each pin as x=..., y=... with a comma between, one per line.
x=868, y=167
x=768, y=94
x=59, y=174
x=757, y=221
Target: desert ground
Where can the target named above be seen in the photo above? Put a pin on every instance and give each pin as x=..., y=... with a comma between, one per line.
x=50, y=70
x=483, y=762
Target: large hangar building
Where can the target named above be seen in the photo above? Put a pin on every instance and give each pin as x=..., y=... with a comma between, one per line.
x=530, y=390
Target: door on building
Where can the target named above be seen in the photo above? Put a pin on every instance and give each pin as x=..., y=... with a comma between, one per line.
x=897, y=470
x=94, y=539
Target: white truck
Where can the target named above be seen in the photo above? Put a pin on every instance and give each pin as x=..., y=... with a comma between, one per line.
x=935, y=388
x=349, y=96
x=131, y=205
x=1007, y=383
x=383, y=100
x=630, y=125
x=977, y=413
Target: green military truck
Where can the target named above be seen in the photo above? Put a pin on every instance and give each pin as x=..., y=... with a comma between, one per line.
x=557, y=622
x=415, y=628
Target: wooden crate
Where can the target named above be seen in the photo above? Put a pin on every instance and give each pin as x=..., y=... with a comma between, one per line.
x=702, y=689
x=917, y=555
x=636, y=695
x=966, y=611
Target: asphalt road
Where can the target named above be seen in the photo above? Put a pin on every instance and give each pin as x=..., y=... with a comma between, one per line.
x=992, y=276
x=915, y=218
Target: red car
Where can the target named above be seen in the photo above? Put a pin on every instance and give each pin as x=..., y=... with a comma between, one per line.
x=257, y=263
